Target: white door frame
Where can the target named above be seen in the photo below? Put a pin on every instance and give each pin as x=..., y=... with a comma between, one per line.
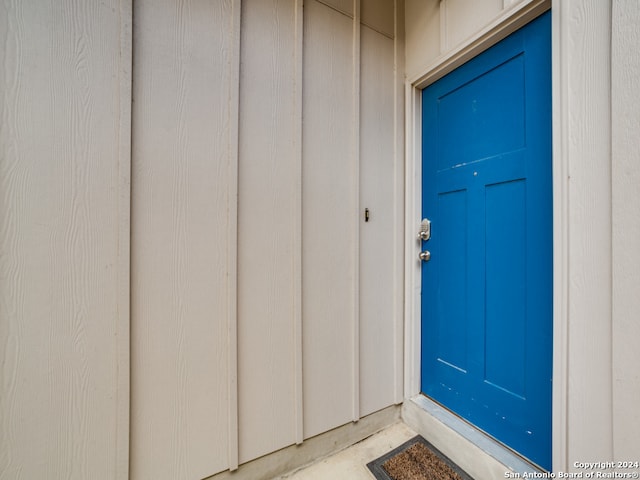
x=507, y=23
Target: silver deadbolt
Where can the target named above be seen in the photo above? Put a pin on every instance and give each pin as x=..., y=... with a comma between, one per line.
x=425, y=230
x=425, y=256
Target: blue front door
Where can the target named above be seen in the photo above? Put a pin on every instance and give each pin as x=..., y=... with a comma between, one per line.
x=487, y=288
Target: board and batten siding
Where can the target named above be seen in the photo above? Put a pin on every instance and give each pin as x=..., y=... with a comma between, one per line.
x=329, y=206
x=183, y=238
x=351, y=279
x=253, y=328
x=435, y=28
x=625, y=156
x=269, y=229
x=65, y=79
x=381, y=238
x=194, y=174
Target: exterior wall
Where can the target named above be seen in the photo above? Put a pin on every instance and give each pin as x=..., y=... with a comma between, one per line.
x=247, y=236
x=329, y=203
x=596, y=227
x=64, y=243
x=583, y=135
x=183, y=238
x=269, y=327
x=264, y=309
x=625, y=115
x=435, y=28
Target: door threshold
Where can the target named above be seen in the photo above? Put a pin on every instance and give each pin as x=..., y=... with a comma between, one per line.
x=473, y=450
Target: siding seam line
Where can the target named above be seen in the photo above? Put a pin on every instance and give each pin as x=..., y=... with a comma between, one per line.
x=232, y=224
x=356, y=194
x=333, y=7
x=297, y=228
x=123, y=328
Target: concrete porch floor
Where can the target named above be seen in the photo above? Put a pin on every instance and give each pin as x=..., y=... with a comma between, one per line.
x=472, y=450
x=351, y=463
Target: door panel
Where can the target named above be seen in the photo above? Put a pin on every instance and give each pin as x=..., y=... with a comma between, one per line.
x=452, y=306
x=486, y=300
x=505, y=294
x=480, y=116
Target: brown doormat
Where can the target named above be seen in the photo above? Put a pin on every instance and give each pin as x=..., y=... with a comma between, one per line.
x=416, y=459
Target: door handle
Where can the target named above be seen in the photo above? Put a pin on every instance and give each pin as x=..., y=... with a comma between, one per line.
x=425, y=256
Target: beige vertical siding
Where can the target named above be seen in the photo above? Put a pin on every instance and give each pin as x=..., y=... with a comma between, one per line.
x=422, y=34
x=329, y=213
x=183, y=263
x=586, y=89
x=625, y=115
x=378, y=167
x=64, y=239
x=295, y=108
x=269, y=227
x=436, y=27
x=459, y=19
x=262, y=310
